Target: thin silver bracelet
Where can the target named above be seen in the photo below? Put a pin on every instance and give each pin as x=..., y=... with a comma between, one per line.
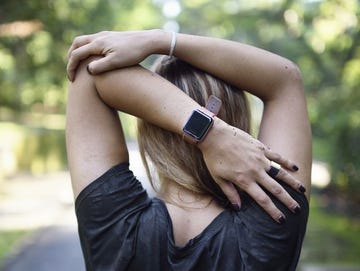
x=173, y=43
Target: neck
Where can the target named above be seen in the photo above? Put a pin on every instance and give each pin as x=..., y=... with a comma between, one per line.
x=185, y=199
x=190, y=212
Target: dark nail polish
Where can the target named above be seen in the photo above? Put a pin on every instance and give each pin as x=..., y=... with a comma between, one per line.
x=297, y=210
x=88, y=69
x=302, y=188
x=282, y=220
x=236, y=206
x=295, y=167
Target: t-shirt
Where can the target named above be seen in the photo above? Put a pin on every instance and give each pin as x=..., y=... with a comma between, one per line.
x=122, y=228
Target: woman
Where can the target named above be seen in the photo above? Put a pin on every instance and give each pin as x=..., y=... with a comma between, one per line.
x=190, y=226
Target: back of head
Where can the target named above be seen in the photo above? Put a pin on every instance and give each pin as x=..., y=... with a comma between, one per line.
x=174, y=159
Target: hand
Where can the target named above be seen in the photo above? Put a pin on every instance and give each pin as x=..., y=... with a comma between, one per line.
x=119, y=49
x=234, y=158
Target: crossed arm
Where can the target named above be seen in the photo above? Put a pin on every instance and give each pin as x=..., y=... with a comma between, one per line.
x=94, y=135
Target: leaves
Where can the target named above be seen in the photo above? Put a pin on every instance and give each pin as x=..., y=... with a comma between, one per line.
x=322, y=37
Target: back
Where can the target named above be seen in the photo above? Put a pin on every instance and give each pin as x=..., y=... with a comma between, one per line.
x=121, y=228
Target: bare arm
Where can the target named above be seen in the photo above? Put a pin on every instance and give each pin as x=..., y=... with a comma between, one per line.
x=275, y=80
x=246, y=162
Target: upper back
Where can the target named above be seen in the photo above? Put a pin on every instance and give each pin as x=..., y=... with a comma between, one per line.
x=121, y=228
x=244, y=240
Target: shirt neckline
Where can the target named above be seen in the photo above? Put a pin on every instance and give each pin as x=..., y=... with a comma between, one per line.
x=212, y=228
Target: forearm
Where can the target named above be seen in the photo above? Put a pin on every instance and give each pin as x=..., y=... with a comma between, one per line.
x=229, y=153
x=260, y=72
x=146, y=95
x=275, y=80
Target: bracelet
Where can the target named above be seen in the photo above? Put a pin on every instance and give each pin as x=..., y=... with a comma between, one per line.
x=173, y=43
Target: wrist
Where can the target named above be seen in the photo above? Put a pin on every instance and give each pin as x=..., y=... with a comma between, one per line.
x=160, y=41
x=201, y=120
x=198, y=125
x=212, y=137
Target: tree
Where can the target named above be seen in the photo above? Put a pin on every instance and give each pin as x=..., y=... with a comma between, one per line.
x=322, y=37
x=34, y=40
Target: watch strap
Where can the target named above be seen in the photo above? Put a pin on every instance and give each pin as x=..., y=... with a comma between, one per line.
x=211, y=109
x=213, y=104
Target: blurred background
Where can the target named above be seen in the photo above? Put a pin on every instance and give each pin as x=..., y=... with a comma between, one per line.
x=322, y=37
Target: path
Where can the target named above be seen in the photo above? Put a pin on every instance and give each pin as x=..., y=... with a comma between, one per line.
x=45, y=203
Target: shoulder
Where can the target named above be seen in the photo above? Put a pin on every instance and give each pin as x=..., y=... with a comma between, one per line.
x=267, y=241
x=109, y=211
x=116, y=190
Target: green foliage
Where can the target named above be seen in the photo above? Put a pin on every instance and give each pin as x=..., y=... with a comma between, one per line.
x=322, y=37
x=36, y=149
x=330, y=238
x=334, y=109
x=34, y=40
x=8, y=240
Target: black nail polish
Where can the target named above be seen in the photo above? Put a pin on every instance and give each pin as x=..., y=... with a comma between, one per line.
x=88, y=69
x=282, y=220
x=297, y=210
x=236, y=207
x=302, y=188
x=295, y=167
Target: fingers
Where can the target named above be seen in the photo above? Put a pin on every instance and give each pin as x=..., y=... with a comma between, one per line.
x=273, y=156
x=290, y=180
x=81, y=48
x=283, y=174
x=258, y=194
x=77, y=55
x=230, y=192
x=279, y=192
x=276, y=171
x=112, y=46
x=81, y=41
x=102, y=65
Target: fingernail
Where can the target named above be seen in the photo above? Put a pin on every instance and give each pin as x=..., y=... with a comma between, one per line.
x=88, y=69
x=295, y=167
x=281, y=220
x=302, y=188
x=297, y=210
x=236, y=206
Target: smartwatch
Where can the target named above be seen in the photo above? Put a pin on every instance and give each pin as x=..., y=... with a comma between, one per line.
x=200, y=122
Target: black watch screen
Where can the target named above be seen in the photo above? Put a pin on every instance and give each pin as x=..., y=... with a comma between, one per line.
x=198, y=125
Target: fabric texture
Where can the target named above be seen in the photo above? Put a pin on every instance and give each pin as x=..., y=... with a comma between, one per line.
x=122, y=228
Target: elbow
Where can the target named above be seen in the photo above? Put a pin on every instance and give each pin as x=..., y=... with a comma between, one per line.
x=288, y=84
x=292, y=76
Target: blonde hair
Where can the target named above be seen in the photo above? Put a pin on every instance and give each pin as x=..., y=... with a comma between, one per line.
x=175, y=160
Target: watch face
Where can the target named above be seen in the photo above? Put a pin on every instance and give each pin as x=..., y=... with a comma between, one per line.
x=198, y=125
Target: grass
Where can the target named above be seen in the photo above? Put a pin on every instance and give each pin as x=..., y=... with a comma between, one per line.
x=331, y=238
x=8, y=240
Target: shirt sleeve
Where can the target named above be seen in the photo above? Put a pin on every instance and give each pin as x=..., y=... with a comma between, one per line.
x=267, y=245
x=107, y=211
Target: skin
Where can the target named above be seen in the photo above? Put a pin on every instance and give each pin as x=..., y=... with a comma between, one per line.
x=95, y=140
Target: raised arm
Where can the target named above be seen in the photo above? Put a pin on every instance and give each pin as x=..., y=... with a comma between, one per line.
x=275, y=80
x=246, y=158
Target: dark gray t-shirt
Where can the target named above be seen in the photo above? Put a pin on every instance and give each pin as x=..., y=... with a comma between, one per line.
x=121, y=228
